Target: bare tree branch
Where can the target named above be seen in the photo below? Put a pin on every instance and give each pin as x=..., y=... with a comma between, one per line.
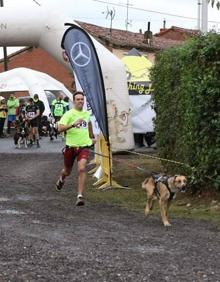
x=215, y=3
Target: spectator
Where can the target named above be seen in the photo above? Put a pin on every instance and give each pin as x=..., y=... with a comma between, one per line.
x=21, y=120
x=3, y=115
x=21, y=109
x=40, y=105
x=58, y=108
x=66, y=103
x=12, y=105
x=33, y=113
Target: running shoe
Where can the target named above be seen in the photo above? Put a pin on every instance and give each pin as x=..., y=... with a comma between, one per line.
x=59, y=185
x=30, y=144
x=38, y=145
x=80, y=201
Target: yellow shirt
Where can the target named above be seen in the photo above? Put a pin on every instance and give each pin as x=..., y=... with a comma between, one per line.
x=77, y=136
x=3, y=111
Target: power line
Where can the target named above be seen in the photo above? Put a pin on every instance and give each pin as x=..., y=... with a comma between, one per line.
x=145, y=10
x=36, y=2
x=152, y=11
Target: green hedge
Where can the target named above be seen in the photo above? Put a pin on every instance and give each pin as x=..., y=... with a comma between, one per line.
x=186, y=81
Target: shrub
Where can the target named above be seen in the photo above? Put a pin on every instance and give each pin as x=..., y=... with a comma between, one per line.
x=186, y=81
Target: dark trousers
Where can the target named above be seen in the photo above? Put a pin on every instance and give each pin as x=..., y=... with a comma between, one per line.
x=40, y=126
x=2, y=122
x=9, y=127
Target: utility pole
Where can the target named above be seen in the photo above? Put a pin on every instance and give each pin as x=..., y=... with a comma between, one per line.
x=4, y=47
x=127, y=22
x=204, y=26
x=199, y=15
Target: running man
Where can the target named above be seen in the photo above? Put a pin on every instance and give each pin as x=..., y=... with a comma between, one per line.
x=79, y=136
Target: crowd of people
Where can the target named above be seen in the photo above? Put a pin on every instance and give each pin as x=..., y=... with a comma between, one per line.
x=26, y=115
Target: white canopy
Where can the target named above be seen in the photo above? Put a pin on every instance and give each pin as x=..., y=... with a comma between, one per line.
x=35, y=82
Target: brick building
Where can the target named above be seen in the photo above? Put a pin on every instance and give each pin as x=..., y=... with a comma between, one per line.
x=176, y=33
x=117, y=41
x=120, y=41
x=39, y=60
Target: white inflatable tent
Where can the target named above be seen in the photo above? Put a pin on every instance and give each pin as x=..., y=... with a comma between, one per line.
x=40, y=27
x=23, y=79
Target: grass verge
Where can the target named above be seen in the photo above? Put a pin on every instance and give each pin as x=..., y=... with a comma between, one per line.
x=130, y=171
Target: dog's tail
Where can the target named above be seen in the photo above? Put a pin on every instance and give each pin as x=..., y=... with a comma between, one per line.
x=144, y=183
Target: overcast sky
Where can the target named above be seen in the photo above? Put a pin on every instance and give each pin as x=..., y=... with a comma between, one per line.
x=140, y=12
x=95, y=11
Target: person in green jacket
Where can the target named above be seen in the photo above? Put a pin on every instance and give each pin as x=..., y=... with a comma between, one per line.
x=58, y=108
x=12, y=105
x=66, y=103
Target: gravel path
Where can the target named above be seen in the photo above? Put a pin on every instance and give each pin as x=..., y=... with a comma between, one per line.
x=44, y=237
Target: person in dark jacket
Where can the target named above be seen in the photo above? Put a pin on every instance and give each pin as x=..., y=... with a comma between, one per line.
x=33, y=113
x=41, y=107
x=3, y=115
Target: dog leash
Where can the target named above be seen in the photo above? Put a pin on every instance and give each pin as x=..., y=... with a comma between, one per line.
x=158, y=158
x=147, y=156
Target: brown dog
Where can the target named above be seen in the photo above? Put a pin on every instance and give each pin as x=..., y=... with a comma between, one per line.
x=164, y=188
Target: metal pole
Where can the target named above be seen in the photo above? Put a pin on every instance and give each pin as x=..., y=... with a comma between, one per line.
x=127, y=16
x=199, y=16
x=5, y=58
x=164, y=23
x=4, y=47
x=204, y=16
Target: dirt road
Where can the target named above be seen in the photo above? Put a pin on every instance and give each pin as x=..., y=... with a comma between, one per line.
x=44, y=237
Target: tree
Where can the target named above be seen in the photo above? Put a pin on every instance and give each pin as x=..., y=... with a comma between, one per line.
x=215, y=2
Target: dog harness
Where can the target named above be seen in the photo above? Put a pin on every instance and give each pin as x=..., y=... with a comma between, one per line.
x=162, y=179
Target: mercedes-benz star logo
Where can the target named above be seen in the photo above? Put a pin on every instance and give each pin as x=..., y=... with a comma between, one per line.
x=80, y=54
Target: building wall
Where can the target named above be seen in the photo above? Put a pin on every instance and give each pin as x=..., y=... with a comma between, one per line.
x=39, y=60
x=175, y=35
